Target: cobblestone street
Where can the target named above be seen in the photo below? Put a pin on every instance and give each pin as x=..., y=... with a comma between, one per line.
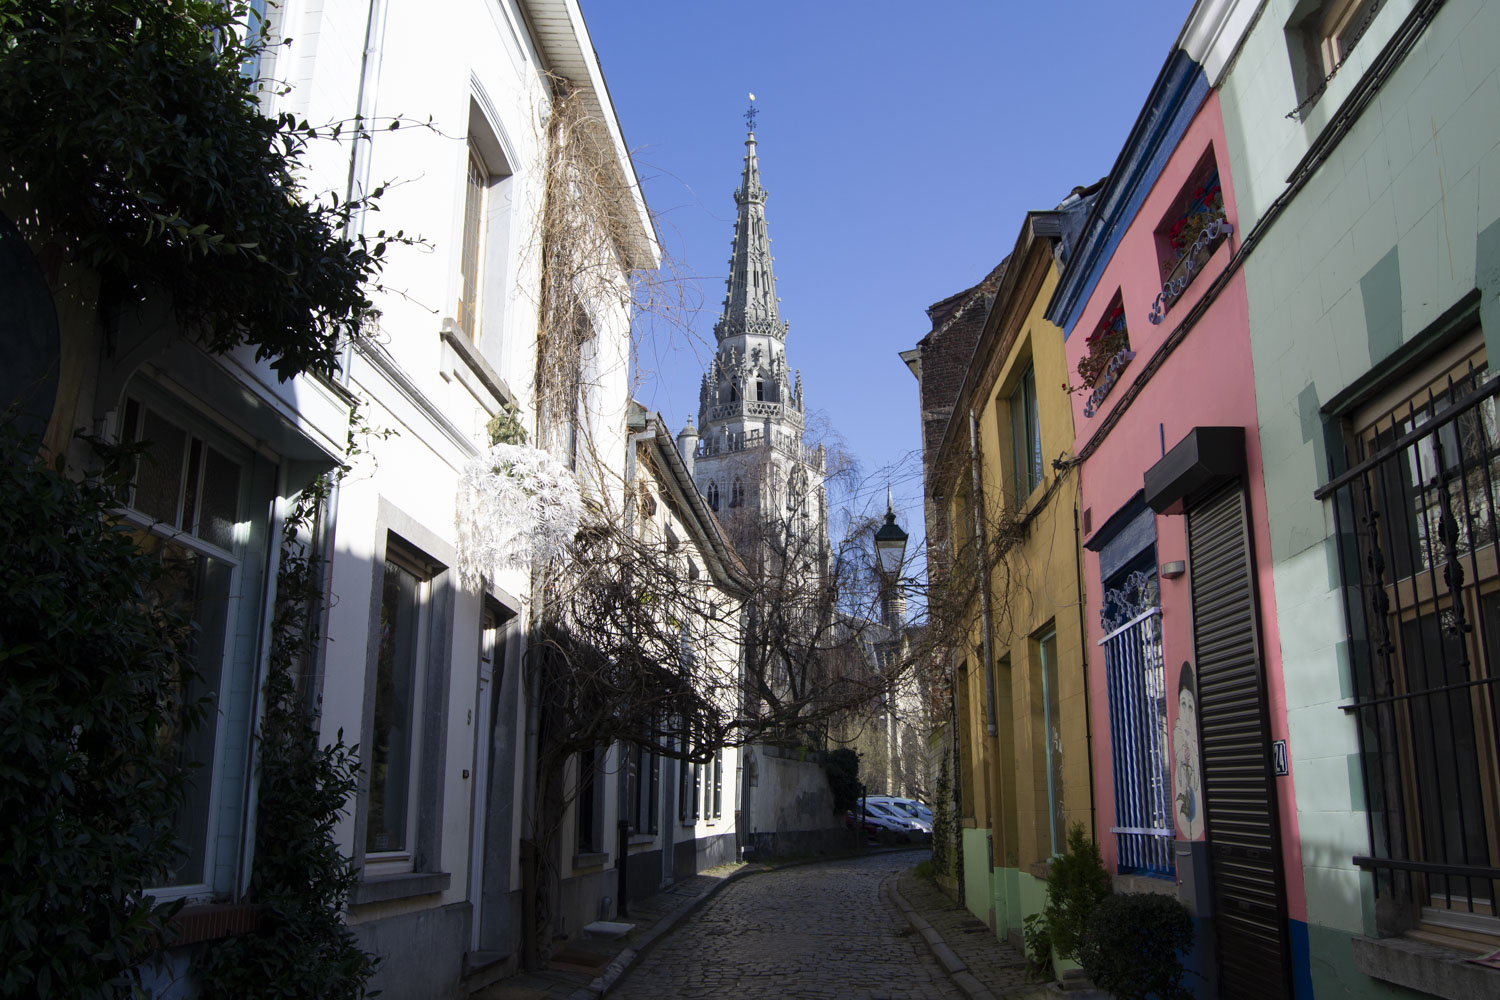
x=821, y=930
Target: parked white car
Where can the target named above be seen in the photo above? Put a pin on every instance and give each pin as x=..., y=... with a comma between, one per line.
x=898, y=818
x=910, y=808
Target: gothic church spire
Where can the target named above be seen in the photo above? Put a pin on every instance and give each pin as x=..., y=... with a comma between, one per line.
x=750, y=306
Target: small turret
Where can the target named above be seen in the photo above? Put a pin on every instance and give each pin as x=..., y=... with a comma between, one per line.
x=687, y=444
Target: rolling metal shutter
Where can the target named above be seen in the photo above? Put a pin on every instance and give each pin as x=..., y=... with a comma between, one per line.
x=1238, y=787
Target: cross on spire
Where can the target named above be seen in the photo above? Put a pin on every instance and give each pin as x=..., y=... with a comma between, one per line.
x=750, y=114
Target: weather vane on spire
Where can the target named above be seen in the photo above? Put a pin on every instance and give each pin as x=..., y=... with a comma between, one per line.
x=750, y=113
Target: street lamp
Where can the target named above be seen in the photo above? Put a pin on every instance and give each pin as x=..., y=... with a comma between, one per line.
x=890, y=554
x=890, y=544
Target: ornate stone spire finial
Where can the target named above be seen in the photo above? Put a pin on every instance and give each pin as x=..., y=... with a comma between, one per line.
x=750, y=306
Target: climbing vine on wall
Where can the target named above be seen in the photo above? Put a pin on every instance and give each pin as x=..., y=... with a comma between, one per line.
x=302, y=881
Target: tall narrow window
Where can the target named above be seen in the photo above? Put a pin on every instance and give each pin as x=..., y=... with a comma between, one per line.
x=1416, y=517
x=1136, y=681
x=1025, y=436
x=586, y=808
x=713, y=495
x=1052, y=733
x=476, y=190
x=390, y=815
x=718, y=784
x=640, y=789
x=192, y=490
x=737, y=493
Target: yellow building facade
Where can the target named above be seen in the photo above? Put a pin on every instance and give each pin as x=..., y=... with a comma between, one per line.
x=1019, y=674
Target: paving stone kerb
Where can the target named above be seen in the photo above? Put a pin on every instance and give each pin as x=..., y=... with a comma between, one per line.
x=981, y=965
x=818, y=930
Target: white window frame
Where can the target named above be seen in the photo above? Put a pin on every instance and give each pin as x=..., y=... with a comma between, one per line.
x=238, y=607
x=402, y=860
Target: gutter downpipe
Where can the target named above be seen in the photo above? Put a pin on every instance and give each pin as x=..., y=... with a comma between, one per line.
x=992, y=732
x=324, y=526
x=358, y=179
x=1088, y=723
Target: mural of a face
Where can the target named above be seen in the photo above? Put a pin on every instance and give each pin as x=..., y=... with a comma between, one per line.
x=1187, y=782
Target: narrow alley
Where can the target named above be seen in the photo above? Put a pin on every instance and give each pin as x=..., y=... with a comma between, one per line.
x=822, y=930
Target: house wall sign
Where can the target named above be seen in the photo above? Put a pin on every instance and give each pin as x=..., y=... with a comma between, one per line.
x=1175, y=285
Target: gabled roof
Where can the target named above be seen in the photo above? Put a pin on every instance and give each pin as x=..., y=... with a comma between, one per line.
x=724, y=564
x=567, y=50
x=1175, y=98
x=1041, y=232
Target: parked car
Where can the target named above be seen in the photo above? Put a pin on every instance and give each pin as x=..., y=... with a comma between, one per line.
x=899, y=820
x=882, y=827
x=908, y=808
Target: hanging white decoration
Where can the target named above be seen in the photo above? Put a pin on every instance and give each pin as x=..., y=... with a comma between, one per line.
x=517, y=506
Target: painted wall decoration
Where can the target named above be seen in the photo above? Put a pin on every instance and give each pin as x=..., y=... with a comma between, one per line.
x=1186, y=774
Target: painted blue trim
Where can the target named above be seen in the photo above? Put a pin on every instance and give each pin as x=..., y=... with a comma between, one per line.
x=1178, y=93
x=1301, y=949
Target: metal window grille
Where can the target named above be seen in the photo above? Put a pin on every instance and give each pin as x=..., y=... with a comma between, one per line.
x=1138, y=741
x=1415, y=516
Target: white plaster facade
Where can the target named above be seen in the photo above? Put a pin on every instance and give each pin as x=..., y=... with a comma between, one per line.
x=439, y=892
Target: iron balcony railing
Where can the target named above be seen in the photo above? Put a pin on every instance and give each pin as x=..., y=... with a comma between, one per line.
x=1138, y=741
x=1416, y=520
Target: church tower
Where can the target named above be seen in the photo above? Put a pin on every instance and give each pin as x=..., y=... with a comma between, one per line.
x=750, y=461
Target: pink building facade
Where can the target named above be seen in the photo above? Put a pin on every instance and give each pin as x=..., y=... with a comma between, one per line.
x=1185, y=675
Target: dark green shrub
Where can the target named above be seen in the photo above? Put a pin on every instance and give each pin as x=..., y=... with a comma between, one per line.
x=92, y=663
x=1133, y=944
x=923, y=870
x=1075, y=886
x=1038, y=948
x=134, y=132
x=842, y=768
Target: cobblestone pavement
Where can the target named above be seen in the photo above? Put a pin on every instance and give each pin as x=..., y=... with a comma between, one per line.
x=812, y=931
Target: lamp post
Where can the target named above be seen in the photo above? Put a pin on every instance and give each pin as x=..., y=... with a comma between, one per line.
x=890, y=555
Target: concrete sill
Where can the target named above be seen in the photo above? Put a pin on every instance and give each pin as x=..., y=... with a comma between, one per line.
x=1424, y=967
x=212, y=921
x=595, y=859
x=1160, y=885
x=383, y=888
x=638, y=839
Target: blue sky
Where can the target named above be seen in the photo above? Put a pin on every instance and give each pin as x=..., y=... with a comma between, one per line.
x=901, y=145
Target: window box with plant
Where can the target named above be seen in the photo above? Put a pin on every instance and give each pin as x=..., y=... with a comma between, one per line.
x=1188, y=236
x=1108, y=354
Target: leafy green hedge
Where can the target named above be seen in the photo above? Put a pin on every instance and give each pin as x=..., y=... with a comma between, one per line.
x=1133, y=943
x=842, y=768
x=130, y=127
x=1077, y=883
x=89, y=665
